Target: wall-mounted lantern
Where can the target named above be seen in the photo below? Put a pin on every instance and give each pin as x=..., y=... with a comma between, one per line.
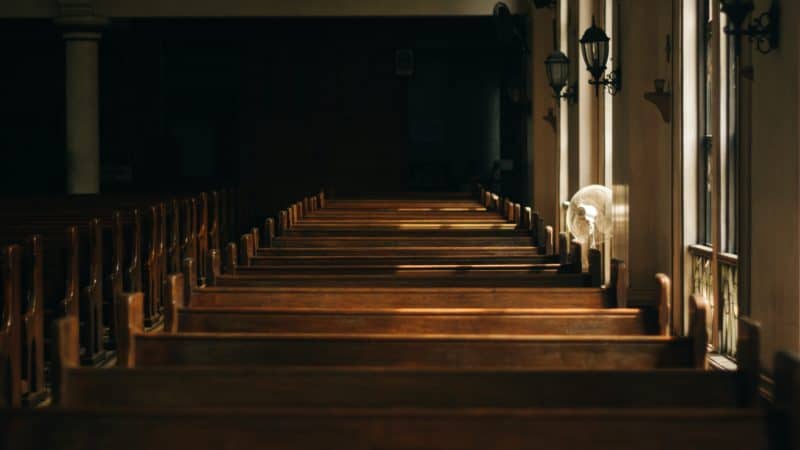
x=764, y=30
x=594, y=47
x=557, y=67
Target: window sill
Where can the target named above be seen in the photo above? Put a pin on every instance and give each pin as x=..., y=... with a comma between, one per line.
x=720, y=362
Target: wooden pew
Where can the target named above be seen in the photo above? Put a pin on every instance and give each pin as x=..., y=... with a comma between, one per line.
x=203, y=387
x=399, y=297
x=95, y=259
x=244, y=260
x=332, y=319
x=395, y=276
x=408, y=241
x=432, y=310
x=399, y=387
x=235, y=292
x=419, y=350
x=367, y=259
x=399, y=252
x=401, y=428
x=440, y=278
x=414, y=350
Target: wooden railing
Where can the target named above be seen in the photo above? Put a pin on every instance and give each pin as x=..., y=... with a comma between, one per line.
x=723, y=304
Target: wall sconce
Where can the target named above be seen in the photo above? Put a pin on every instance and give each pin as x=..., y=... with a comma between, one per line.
x=541, y=4
x=594, y=47
x=764, y=30
x=552, y=119
x=662, y=99
x=557, y=67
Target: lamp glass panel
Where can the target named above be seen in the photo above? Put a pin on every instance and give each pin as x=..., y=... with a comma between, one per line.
x=560, y=73
x=595, y=55
x=557, y=69
x=603, y=54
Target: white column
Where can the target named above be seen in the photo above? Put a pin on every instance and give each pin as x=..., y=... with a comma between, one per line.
x=83, y=126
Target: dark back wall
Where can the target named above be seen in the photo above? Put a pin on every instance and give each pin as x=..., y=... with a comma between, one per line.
x=279, y=107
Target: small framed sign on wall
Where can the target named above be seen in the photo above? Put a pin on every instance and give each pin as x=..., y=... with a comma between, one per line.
x=404, y=62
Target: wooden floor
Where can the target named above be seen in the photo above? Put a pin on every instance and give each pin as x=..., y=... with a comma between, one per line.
x=437, y=322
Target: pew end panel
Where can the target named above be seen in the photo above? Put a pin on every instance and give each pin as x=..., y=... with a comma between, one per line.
x=130, y=308
x=91, y=300
x=246, y=249
x=596, y=267
x=69, y=306
x=133, y=273
x=563, y=248
x=571, y=258
x=189, y=277
x=698, y=311
x=114, y=282
x=214, y=267
x=67, y=354
x=32, y=308
x=269, y=232
x=787, y=398
x=549, y=243
x=664, y=304
x=283, y=222
x=255, y=233
x=619, y=280
x=10, y=328
x=175, y=298
x=230, y=259
x=748, y=359
x=539, y=232
x=152, y=262
x=214, y=223
x=527, y=219
x=202, y=236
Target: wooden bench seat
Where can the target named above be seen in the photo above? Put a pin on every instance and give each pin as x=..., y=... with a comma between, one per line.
x=422, y=231
x=369, y=429
x=440, y=278
x=611, y=321
x=359, y=215
x=400, y=252
x=204, y=387
x=399, y=297
x=373, y=241
x=388, y=261
x=421, y=269
x=311, y=220
x=414, y=350
x=383, y=203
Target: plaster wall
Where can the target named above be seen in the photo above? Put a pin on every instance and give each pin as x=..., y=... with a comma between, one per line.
x=775, y=209
x=642, y=148
x=545, y=173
